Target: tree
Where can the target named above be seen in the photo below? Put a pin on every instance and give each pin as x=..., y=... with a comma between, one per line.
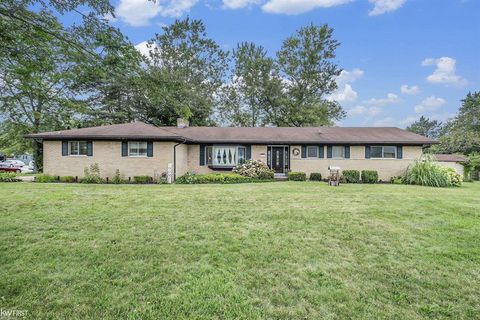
x=308, y=72
x=426, y=127
x=185, y=70
x=254, y=88
x=462, y=134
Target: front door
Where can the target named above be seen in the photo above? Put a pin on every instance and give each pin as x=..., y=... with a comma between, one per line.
x=278, y=158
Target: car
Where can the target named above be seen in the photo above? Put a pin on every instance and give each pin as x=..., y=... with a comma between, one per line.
x=18, y=163
x=8, y=167
x=27, y=169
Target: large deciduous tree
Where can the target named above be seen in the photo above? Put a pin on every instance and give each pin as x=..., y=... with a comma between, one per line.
x=426, y=127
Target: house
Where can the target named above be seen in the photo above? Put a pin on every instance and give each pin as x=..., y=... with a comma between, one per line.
x=455, y=161
x=141, y=149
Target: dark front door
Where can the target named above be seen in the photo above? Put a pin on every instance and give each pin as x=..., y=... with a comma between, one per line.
x=278, y=159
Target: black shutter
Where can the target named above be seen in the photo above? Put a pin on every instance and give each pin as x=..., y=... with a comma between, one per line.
x=150, y=149
x=329, y=152
x=202, y=154
x=321, y=151
x=64, y=148
x=89, y=148
x=347, y=152
x=249, y=152
x=304, y=151
x=367, y=152
x=399, y=152
x=124, y=148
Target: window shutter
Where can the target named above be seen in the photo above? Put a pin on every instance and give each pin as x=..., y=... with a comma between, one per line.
x=367, y=152
x=304, y=151
x=150, y=149
x=64, y=148
x=399, y=152
x=249, y=152
x=347, y=152
x=329, y=152
x=89, y=148
x=124, y=148
x=202, y=154
x=321, y=151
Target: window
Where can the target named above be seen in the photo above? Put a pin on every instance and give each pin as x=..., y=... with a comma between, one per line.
x=226, y=156
x=338, y=152
x=312, y=151
x=77, y=148
x=137, y=148
x=383, y=152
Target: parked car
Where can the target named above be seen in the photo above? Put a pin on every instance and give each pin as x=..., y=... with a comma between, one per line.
x=9, y=167
x=18, y=163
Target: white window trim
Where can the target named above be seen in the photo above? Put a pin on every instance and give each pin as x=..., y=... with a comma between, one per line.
x=318, y=152
x=137, y=156
x=383, y=153
x=78, y=142
x=339, y=158
x=225, y=165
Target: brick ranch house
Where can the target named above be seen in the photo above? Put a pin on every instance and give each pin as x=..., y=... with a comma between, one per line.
x=141, y=149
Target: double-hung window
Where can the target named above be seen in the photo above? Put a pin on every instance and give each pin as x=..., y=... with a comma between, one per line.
x=137, y=148
x=77, y=148
x=383, y=152
x=312, y=151
x=338, y=152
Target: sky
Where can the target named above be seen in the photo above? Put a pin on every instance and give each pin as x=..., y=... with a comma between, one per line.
x=400, y=58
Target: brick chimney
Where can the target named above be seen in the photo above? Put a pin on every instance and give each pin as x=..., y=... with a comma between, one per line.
x=182, y=123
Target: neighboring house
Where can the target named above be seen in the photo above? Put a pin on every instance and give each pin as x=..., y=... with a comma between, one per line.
x=455, y=161
x=141, y=149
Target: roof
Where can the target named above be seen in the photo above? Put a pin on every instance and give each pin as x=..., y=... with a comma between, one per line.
x=450, y=158
x=270, y=135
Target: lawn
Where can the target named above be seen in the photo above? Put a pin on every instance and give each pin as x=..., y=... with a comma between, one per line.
x=280, y=250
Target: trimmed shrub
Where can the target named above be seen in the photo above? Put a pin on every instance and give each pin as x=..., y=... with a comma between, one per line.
x=67, y=179
x=426, y=172
x=369, y=176
x=396, y=180
x=92, y=174
x=223, y=178
x=254, y=169
x=187, y=178
x=142, y=179
x=297, y=176
x=45, y=178
x=315, y=176
x=351, y=176
x=8, y=177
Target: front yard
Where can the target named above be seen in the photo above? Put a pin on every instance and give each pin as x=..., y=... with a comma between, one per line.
x=250, y=251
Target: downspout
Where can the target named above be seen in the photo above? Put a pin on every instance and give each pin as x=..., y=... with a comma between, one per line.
x=175, y=158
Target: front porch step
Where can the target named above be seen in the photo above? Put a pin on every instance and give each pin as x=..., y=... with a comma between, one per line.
x=280, y=176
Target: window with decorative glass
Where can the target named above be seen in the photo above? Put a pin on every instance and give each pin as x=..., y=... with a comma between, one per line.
x=77, y=148
x=137, y=148
x=225, y=156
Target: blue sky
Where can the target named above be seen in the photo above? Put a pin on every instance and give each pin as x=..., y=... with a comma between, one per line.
x=401, y=58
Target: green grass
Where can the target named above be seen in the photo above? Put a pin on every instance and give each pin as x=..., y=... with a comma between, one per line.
x=287, y=250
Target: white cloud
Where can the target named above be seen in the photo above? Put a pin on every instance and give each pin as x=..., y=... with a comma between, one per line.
x=373, y=111
x=390, y=99
x=384, y=6
x=413, y=90
x=444, y=72
x=138, y=13
x=345, y=92
x=408, y=121
x=430, y=104
x=237, y=4
x=385, y=122
x=299, y=6
x=358, y=110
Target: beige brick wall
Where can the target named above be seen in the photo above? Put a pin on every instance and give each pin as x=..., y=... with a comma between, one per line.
x=108, y=155
x=386, y=167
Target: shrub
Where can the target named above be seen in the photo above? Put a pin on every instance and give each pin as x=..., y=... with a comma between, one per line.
x=92, y=174
x=351, y=176
x=369, y=176
x=297, y=176
x=161, y=179
x=67, y=179
x=426, y=172
x=45, y=178
x=315, y=176
x=254, y=169
x=142, y=179
x=396, y=180
x=8, y=177
x=118, y=178
x=224, y=178
x=188, y=178
x=454, y=178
